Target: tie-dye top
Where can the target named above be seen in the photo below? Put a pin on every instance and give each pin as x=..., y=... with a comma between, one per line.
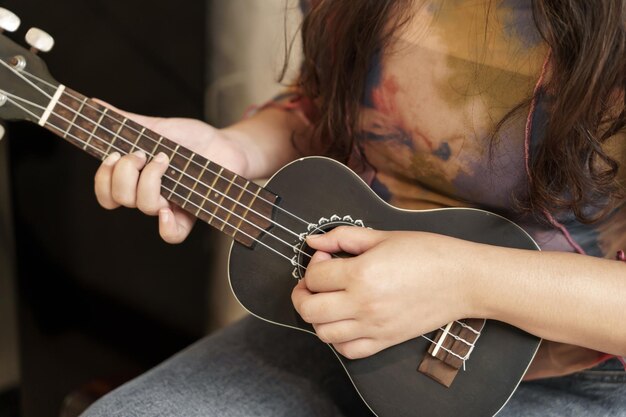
x=432, y=103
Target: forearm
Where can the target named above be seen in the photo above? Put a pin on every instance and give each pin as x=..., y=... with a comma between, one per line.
x=563, y=297
x=267, y=140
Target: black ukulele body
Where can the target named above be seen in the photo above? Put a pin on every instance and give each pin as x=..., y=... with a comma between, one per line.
x=315, y=188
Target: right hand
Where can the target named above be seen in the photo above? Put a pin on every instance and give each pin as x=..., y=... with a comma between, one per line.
x=128, y=181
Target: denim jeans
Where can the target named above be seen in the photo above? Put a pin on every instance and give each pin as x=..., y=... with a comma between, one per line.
x=257, y=369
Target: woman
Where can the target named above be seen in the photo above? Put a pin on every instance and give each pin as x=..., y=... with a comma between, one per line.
x=516, y=106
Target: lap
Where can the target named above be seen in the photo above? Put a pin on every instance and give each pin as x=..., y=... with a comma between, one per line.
x=250, y=368
x=258, y=369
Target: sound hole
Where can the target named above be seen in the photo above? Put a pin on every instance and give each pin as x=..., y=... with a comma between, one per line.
x=306, y=252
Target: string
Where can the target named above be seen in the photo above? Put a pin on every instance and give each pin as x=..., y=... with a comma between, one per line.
x=100, y=112
x=172, y=192
x=174, y=151
x=174, y=168
x=177, y=182
x=315, y=228
x=291, y=260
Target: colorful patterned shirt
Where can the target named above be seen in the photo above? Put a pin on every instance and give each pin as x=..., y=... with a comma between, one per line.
x=431, y=107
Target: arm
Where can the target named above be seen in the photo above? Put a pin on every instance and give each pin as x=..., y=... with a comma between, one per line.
x=434, y=279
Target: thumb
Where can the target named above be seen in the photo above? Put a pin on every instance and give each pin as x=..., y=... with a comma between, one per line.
x=319, y=256
x=350, y=239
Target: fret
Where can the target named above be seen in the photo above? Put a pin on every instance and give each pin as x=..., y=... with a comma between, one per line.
x=115, y=136
x=244, y=189
x=192, y=182
x=225, y=193
x=174, y=155
x=183, y=172
x=209, y=191
x=245, y=213
x=73, y=122
x=156, y=146
x=132, y=149
x=96, y=126
x=198, y=179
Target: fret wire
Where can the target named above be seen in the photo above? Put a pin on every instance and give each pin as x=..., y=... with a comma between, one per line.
x=177, y=182
x=219, y=174
x=210, y=190
x=241, y=231
x=97, y=109
x=158, y=143
x=248, y=209
x=94, y=129
x=236, y=230
x=82, y=104
x=195, y=183
x=238, y=198
x=230, y=184
x=245, y=213
x=98, y=150
x=249, y=191
x=116, y=135
x=137, y=140
x=200, y=176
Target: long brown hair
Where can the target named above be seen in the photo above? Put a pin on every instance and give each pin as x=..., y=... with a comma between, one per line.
x=571, y=170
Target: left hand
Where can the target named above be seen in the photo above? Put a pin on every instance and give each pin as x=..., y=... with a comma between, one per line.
x=397, y=286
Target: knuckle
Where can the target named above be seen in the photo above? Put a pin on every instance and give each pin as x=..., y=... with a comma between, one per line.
x=124, y=198
x=306, y=311
x=172, y=239
x=355, y=350
x=148, y=205
x=324, y=334
x=347, y=350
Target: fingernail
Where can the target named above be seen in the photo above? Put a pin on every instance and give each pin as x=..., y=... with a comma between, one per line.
x=315, y=236
x=111, y=159
x=140, y=154
x=161, y=157
x=165, y=215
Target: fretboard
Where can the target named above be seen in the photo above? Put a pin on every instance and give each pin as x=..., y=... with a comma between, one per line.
x=221, y=198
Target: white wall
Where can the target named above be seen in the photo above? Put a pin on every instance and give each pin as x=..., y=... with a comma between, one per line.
x=246, y=50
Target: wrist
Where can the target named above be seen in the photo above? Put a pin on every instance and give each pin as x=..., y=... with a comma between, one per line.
x=239, y=142
x=478, y=282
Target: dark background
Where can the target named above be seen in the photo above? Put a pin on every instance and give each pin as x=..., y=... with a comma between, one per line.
x=100, y=296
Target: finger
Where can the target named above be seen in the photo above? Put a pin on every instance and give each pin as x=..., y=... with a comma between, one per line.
x=324, y=274
x=359, y=348
x=299, y=294
x=350, y=239
x=102, y=182
x=174, y=224
x=125, y=178
x=339, y=331
x=322, y=308
x=149, y=198
x=319, y=256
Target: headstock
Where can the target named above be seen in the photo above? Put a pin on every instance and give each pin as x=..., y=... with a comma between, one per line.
x=26, y=86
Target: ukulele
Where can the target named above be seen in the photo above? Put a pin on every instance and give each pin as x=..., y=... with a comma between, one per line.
x=467, y=368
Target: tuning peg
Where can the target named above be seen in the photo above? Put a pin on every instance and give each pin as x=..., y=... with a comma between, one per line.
x=39, y=40
x=8, y=20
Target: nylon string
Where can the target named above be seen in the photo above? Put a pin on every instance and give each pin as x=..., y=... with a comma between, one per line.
x=265, y=245
x=100, y=112
x=177, y=183
x=204, y=199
